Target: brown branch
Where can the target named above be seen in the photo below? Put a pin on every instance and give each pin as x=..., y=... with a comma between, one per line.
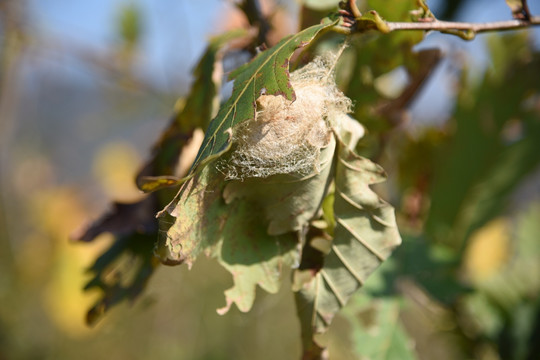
x=352, y=21
x=466, y=31
x=253, y=11
x=462, y=26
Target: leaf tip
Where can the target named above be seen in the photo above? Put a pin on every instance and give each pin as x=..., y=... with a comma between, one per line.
x=222, y=311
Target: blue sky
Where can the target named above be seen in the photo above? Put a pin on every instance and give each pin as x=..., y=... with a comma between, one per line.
x=172, y=38
x=175, y=31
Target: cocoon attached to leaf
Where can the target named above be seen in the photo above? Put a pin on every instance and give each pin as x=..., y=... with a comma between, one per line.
x=286, y=137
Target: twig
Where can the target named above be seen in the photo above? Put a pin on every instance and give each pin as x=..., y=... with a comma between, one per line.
x=354, y=8
x=253, y=11
x=462, y=26
x=354, y=22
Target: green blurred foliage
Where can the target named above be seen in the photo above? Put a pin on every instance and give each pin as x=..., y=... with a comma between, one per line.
x=130, y=26
x=494, y=144
x=446, y=293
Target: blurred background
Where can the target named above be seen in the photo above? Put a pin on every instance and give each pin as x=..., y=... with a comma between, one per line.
x=87, y=87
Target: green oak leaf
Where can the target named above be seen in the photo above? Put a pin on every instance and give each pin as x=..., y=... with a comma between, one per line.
x=364, y=236
x=235, y=234
x=199, y=108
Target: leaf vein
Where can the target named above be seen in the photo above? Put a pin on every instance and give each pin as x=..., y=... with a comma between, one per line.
x=361, y=240
x=333, y=287
x=349, y=200
x=347, y=265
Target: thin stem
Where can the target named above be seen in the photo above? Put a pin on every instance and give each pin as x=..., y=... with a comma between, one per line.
x=352, y=23
x=253, y=11
x=462, y=26
x=354, y=8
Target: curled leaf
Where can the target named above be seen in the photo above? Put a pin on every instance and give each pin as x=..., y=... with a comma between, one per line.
x=364, y=236
x=235, y=234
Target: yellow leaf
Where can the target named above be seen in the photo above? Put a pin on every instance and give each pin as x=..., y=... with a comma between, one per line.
x=487, y=251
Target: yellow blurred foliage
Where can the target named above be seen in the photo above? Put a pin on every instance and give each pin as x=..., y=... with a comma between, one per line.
x=488, y=250
x=115, y=167
x=33, y=173
x=57, y=212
